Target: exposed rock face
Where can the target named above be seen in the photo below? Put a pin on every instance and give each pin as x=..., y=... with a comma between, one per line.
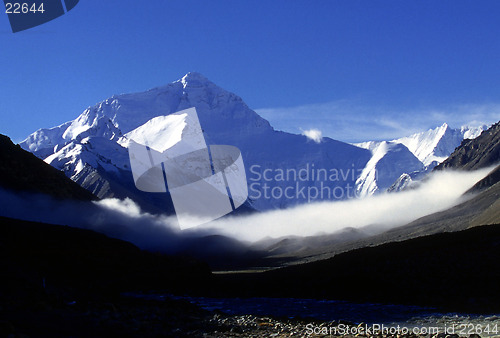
x=480, y=152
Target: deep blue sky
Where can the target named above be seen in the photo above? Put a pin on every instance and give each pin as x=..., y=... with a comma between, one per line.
x=398, y=65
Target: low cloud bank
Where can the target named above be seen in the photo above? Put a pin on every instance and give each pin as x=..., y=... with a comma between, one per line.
x=116, y=218
x=440, y=191
x=123, y=219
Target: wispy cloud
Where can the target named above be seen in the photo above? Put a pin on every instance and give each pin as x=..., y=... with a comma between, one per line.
x=350, y=122
x=313, y=134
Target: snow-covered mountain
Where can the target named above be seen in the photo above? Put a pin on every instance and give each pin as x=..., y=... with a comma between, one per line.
x=281, y=167
x=435, y=145
x=389, y=160
x=412, y=157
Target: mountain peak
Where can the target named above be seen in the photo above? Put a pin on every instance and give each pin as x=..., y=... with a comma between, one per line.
x=193, y=79
x=445, y=127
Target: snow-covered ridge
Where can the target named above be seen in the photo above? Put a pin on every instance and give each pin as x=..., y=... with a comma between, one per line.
x=438, y=143
x=123, y=113
x=433, y=145
x=428, y=148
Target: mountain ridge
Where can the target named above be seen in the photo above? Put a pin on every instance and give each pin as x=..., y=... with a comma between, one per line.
x=430, y=147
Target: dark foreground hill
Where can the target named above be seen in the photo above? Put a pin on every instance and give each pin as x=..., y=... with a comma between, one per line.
x=61, y=281
x=456, y=271
x=23, y=171
x=37, y=258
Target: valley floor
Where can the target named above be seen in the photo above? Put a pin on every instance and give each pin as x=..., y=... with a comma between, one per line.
x=58, y=281
x=127, y=317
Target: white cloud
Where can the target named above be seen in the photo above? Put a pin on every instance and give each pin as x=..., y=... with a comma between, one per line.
x=125, y=220
x=313, y=134
x=441, y=191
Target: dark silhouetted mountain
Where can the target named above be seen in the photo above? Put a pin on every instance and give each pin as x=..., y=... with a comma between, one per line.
x=22, y=171
x=36, y=256
x=58, y=281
